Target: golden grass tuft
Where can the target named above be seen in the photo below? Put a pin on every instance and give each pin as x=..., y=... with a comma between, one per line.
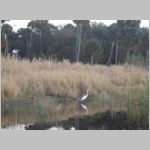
x=46, y=77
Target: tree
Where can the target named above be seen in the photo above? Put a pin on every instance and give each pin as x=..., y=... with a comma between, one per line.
x=120, y=42
x=113, y=38
x=127, y=34
x=23, y=42
x=64, y=43
x=46, y=32
x=92, y=47
x=100, y=32
x=5, y=33
x=80, y=25
x=144, y=43
x=109, y=59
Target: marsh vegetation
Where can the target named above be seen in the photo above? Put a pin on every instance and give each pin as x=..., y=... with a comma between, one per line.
x=48, y=92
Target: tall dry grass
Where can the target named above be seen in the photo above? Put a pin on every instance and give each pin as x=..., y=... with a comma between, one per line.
x=47, y=77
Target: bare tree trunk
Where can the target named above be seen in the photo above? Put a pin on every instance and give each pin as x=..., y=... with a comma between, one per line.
x=40, y=44
x=79, y=42
x=92, y=58
x=27, y=44
x=6, y=49
x=112, y=47
x=147, y=56
x=116, y=52
x=128, y=53
x=28, y=54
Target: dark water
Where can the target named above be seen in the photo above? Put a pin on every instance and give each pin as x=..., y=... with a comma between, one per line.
x=99, y=121
x=40, y=114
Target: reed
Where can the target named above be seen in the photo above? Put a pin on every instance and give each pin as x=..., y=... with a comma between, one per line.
x=48, y=77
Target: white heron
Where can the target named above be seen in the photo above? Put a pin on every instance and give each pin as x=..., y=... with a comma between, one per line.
x=85, y=96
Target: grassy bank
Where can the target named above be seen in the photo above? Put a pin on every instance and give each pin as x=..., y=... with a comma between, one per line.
x=43, y=78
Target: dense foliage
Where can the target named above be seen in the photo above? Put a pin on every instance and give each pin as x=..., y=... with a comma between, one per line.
x=123, y=41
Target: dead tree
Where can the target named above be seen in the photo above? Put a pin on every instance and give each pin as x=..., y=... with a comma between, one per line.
x=112, y=47
x=6, y=49
x=147, y=57
x=29, y=45
x=92, y=58
x=77, y=43
x=116, y=52
x=79, y=32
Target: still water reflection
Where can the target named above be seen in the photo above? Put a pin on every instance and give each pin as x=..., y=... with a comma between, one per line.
x=98, y=121
x=30, y=126
x=49, y=114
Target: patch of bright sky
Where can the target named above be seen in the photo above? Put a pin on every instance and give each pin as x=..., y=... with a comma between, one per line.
x=16, y=24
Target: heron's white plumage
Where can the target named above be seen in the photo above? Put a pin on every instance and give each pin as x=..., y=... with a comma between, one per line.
x=85, y=96
x=82, y=99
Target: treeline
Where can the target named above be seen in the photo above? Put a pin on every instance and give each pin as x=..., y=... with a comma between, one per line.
x=95, y=43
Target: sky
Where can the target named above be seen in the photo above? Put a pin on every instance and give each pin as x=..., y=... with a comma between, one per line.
x=16, y=24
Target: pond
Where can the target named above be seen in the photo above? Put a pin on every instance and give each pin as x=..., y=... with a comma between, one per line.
x=51, y=114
